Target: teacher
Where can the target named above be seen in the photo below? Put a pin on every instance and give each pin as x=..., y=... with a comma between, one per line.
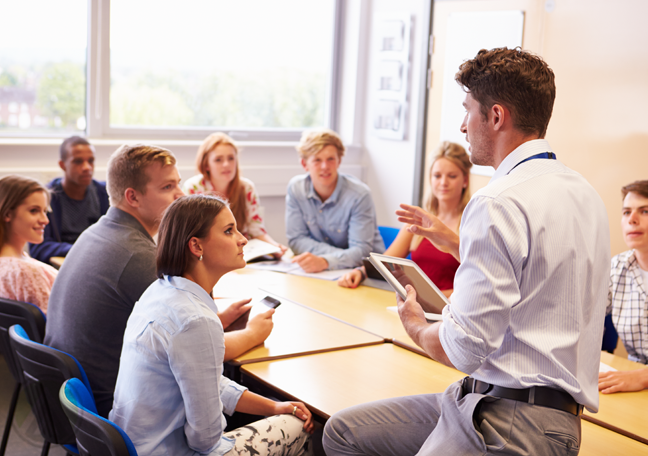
x=526, y=317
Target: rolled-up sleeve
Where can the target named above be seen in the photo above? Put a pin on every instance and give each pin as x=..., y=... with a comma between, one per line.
x=494, y=246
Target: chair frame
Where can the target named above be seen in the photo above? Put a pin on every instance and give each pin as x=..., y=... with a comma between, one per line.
x=32, y=319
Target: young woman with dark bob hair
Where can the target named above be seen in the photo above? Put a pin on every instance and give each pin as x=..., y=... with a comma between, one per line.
x=171, y=394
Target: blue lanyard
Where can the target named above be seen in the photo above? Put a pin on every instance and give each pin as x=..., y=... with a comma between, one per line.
x=547, y=155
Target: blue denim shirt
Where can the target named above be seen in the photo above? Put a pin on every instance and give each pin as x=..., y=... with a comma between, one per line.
x=170, y=394
x=342, y=229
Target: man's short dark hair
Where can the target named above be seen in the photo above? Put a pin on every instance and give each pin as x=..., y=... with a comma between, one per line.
x=187, y=217
x=638, y=187
x=516, y=79
x=69, y=143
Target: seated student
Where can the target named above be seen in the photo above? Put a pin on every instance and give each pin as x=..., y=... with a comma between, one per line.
x=111, y=265
x=628, y=296
x=218, y=165
x=170, y=394
x=23, y=210
x=446, y=197
x=330, y=216
x=77, y=200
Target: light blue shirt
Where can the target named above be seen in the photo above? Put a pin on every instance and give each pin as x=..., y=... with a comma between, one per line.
x=170, y=394
x=530, y=295
x=342, y=229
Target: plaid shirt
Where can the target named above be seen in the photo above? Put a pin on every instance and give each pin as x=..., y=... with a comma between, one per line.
x=628, y=303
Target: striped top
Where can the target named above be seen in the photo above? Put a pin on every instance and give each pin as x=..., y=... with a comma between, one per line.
x=530, y=294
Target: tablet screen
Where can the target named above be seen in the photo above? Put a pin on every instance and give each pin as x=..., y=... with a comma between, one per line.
x=427, y=297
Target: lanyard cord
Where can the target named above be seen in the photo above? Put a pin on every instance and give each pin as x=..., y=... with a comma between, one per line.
x=545, y=155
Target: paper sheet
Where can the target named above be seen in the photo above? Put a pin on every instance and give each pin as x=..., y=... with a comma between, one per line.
x=605, y=368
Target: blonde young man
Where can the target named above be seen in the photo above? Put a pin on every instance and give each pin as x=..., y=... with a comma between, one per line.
x=113, y=263
x=330, y=216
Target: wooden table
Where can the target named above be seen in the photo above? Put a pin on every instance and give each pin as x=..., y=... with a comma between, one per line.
x=363, y=307
x=322, y=382
x=625, y=413
x=297, y=330
x=57, y=262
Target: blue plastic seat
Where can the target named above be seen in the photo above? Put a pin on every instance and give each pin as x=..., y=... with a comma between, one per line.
x=96, y=436
x=44, y=369
x=388, y=234
x=33, y=320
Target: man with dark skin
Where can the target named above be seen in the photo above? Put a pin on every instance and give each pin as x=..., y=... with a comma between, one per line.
x=77, y=200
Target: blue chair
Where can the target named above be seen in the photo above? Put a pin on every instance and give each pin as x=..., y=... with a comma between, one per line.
x=610, y=336
x=33, y=320
x=44, y=369
x=388, y=234
x=95, y=435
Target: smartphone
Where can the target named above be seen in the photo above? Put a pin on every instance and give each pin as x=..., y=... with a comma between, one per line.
x=241, y=321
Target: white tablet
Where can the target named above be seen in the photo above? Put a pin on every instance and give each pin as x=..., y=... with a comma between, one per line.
x=399, y=272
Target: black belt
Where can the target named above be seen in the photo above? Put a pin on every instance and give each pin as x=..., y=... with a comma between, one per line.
x=536, y=395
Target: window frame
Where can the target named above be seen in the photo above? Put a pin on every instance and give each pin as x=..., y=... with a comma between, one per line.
x=98, y=90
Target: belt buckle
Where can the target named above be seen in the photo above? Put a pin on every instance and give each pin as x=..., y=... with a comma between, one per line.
x=476, y=386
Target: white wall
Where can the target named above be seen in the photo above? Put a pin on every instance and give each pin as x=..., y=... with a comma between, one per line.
x=391, y=164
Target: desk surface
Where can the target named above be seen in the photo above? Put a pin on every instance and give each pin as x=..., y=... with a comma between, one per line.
x=323, y=384
x=378, y=372
x=297, y=330
x=623, y=412
x=57, y=262
x=363, y=307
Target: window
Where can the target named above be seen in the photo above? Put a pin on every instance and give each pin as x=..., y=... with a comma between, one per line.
x=42, y=67
x=165, y=69
x=234, y=65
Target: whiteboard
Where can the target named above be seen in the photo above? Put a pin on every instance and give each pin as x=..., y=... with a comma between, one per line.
x=468, y=33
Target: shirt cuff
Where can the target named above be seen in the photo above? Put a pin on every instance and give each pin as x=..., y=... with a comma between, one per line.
x=450, y=336
x=231, y=392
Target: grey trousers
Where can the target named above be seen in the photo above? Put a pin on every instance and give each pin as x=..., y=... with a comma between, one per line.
x=449, y=424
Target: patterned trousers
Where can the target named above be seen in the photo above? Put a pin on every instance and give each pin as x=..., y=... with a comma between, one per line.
x=279, y=435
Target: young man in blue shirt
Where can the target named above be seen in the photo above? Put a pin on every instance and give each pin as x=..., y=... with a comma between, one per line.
x=330, y=216
x=78, y=200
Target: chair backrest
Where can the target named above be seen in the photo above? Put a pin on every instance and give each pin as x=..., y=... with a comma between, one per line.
x=30, y=318
x=96, y=436
x=44, y=369
x=388, y=234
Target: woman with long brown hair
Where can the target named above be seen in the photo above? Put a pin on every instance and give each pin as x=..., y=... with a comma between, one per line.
x=446, y=197
x=219, y=174
x=23, y=216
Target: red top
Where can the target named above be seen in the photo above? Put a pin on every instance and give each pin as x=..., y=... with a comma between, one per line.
x=440, y=267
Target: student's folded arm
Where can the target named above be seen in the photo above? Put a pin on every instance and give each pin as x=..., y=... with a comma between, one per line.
x=486, y=286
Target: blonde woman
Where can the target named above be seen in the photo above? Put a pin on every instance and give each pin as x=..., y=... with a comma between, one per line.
x=23, y=210
x=446, y=197
x=219, y=174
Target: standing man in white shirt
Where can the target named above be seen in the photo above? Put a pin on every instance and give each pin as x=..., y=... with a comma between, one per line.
x=526, y=318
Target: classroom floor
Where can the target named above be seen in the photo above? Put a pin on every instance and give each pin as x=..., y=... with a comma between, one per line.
x=25, y=438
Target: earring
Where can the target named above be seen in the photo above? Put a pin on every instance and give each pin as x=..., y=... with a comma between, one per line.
x=200, y=259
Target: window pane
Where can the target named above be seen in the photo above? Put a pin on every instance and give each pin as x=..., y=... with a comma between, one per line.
x=223, y=64
x=42, y=66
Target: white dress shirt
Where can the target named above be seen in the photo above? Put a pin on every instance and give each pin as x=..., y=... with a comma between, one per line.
x=530, y=294
x=170, y=394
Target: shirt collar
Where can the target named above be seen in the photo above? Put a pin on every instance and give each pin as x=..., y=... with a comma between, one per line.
x=192, y=287
x=334, y=196
x=124, y=218
x=523, y=151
